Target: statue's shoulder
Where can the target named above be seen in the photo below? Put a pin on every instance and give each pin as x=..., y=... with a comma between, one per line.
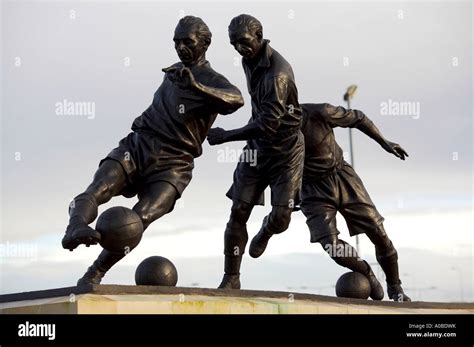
x=214, y=77
x=315, y=111
x=280, y=67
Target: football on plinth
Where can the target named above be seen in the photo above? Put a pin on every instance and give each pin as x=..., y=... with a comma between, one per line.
x=120, y=228
x=353, y=285
x=156, y=271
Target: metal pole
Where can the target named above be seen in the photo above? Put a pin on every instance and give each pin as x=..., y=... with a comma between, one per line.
x=347, y=97
x=351, y=152
x=350, y=138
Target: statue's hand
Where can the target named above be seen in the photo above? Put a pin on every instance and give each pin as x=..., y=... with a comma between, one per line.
x=395, y=149
x=182, y=77
x=216, y=136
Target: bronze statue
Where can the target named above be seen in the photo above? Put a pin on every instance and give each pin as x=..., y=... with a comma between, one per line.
x=331, y=185
x=155, y=161
x=273, y=133
x=296, y=154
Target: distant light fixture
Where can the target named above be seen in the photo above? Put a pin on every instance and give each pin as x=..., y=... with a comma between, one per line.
x=350, y=92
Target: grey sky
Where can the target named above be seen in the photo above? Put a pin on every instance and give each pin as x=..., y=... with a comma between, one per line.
x=420, y=53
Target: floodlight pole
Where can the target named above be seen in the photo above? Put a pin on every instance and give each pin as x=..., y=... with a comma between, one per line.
x=347, y=97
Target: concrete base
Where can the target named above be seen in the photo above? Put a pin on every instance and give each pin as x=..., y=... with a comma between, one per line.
x=115, y=299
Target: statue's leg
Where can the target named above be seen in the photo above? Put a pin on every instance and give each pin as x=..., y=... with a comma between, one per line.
x=285, y=189
x=276, y=222
x=387, y=257
x=108, y=181
x=362, y=216
x=157, y=200
x=235, y=240
x=346, y=255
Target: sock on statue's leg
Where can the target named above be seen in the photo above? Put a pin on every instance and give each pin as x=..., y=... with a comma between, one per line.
x=345, y=255
x=235, y=240
x=101, y=265
x=387, y=257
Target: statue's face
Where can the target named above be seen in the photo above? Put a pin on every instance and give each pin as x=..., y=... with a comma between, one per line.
x=188, y=46
x=246, y=43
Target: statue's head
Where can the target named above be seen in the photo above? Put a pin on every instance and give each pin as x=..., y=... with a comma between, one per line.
x=191, y=39
x=246, y=35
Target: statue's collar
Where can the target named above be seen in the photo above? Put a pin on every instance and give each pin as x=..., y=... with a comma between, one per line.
x=265, y=54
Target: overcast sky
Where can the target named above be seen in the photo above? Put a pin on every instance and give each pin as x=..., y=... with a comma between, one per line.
x=110, y=55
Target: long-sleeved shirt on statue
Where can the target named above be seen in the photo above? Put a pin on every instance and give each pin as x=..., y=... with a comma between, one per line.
x=181, y=118
x=322, y=153
x=275, y=106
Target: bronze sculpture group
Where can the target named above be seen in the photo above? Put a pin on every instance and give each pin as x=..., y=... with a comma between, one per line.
x=297, y=157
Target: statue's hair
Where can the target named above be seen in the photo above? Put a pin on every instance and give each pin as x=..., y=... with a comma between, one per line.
x=253, y=24
x=201, y=29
